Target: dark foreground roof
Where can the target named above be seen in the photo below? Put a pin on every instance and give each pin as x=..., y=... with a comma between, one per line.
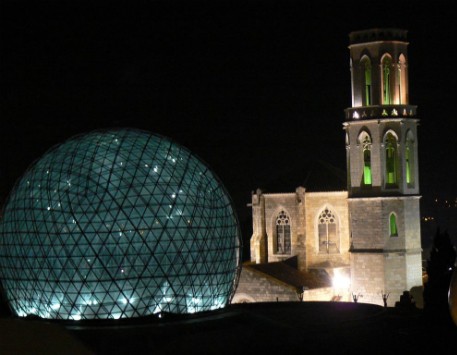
x=251, y=328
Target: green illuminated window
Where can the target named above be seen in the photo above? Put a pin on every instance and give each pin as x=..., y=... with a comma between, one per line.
x=365, y=141
x=366, y=167
x=386, y=72
x=408, y=165
x=409, y=159
x=391, y=159
x=393, y=225
x=367, y=75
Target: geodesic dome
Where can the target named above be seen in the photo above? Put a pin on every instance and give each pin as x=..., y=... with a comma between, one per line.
x=117, y=224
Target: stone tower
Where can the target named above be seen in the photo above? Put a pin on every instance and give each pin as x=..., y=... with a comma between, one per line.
x=382, y=166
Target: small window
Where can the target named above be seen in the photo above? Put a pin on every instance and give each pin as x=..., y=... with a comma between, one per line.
x=393, y=225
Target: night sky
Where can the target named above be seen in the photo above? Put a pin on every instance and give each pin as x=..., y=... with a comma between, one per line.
x=257, y=89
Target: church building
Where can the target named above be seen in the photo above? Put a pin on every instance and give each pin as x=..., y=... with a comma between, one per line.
x=361, y=242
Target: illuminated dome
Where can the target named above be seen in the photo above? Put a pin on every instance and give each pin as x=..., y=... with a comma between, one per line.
x=118, y=224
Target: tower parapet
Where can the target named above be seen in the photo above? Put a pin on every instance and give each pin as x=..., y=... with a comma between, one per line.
x=378, y=34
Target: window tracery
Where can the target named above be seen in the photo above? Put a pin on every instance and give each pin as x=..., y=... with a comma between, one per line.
x=283, y=244
x=386, y=65
x=365, y=141
x=391, y=159
x=366, y=64
x=409, y=159
x=328, y=232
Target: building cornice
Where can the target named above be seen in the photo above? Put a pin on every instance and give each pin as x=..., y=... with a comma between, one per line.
x=404, y=197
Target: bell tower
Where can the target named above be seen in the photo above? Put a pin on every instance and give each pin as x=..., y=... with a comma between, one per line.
x=382, y=168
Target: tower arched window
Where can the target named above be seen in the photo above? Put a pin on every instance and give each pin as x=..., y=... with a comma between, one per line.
x=393, y=229
x=391, y=167
x=282, y=234
x=401, y=80
x=386, y=65
x=366, y=65
x=365, y=141
x=409, y=159
x=329, y=241
x=348, y=160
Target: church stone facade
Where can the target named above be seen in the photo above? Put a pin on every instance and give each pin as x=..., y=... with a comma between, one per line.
x=366, y=238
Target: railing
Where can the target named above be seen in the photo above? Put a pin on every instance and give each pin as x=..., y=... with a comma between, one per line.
x=384, y=111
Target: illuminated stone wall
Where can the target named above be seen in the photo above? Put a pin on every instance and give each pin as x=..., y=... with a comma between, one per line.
x=303, y=209
x=337, y=203
x=367, y=279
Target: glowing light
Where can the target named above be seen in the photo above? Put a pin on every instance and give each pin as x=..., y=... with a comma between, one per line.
x=55, y=306
x=340, y=279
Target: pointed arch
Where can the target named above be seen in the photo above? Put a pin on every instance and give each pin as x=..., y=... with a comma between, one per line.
x=386, y=72
x=401, y=80
x=391, y=158
x=409, y=159
x=328, y=232
x=282, y=241
x=348, y=158
x=364, y=140
x=365, y=62
x=393, y=228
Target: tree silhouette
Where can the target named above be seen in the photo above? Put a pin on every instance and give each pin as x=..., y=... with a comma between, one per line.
x=439, y=270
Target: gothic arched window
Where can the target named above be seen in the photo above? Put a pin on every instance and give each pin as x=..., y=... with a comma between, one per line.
x=282, y=234
x=329, y=240
x=386, y=64
x=348, y=160
x=409, y=159
x=390, y=144
x=393, y=230
x=366, y=64
x=365, y=141
x=401, y=80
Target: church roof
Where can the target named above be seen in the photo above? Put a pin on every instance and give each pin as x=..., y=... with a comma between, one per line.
x=293, y=277
x=315, y=176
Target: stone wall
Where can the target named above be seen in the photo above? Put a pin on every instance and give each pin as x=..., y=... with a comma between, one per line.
x=367, y=277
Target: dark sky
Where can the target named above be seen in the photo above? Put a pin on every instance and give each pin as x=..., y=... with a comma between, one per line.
x=255, y=88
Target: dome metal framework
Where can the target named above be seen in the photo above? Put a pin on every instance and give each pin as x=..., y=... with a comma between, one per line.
x=118, y=224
